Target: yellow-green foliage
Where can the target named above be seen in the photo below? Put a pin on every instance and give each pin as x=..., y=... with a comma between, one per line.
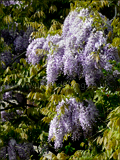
x=50, y=96
x=78, y=155
x=81, y=155
x=111, y=137
x=60, y=156
x=55, y=95
x=95, y=5
x=56, y=28
x=116, y=34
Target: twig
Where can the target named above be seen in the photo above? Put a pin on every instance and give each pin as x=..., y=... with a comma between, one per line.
x=9, y=89
x=15, y=106
x=16, y=58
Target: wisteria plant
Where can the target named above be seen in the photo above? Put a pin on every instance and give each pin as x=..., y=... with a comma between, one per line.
x=81, y=52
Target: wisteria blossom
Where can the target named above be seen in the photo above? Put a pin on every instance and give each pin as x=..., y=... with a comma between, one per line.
x=6, y=58
x=11, y=2
x=77, y=118
x=86, y=51
x=21, y=42
x=32, y=57
x=6, y=116
x=81, y=50
x=11, y=149
x=23, y=150
x=3, y=152
x=7, y=95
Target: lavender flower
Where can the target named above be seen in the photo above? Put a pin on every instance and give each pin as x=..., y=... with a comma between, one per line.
x=24, y=150
x=6, y=116
x=11, y=149
x=18, y=44
x=11, y=2
x=31, y=55
x=77, y=118
x=54, y=64
x=81, y=51
x=22, y=41
x=7, y=95
x=6, y=57
x=26, y=37
x=3, y=152
x=84, y=53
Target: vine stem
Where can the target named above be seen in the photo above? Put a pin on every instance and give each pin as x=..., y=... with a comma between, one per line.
x=16, y=86
x=16, y=58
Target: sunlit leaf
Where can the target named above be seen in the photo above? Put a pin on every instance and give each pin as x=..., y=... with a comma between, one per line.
x=7, y=19
x=30, y=95
x=7, y=70
x=20, y=82
x=46, y=119
x=7, y=79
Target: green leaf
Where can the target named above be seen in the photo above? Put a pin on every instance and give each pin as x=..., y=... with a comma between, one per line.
x=73, y=83
x=7, y=71
x=28, y=79
x=39, y=96
x=30, y=95
x=20, y=82
x=22, y=60
x=105, y=141
x=49, y=90
x=46, y=119
x=76, y=88
x=97, y=58
x=82, y=144
x=115, y=155
x=118, y=122
x=33, y=71
x=7, y=19
x=98, y=139
x=7, y=79
x=36, y=96
x=115, y=22
x=101, y=141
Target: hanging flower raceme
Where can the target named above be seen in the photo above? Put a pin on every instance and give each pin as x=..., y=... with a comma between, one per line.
x=82, y=49
x=76, y=119
x=23, y=150
x=32, y=56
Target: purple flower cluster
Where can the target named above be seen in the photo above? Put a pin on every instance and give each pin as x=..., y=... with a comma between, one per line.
x=3, y=152
x=31, y=55
x=6, y=58
x=77, y=118
x=9, y=35
x=88, y=45
x=11, y=2
x=40, y=43
x=82, y=50
x=21, y=42
x=7, y=95
x=24, y=150
x=6, y=116
x=13, y=149
x=54, y=62
x=17, y=40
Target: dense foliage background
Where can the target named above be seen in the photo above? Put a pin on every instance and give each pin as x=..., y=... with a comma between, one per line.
x=38, y=86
